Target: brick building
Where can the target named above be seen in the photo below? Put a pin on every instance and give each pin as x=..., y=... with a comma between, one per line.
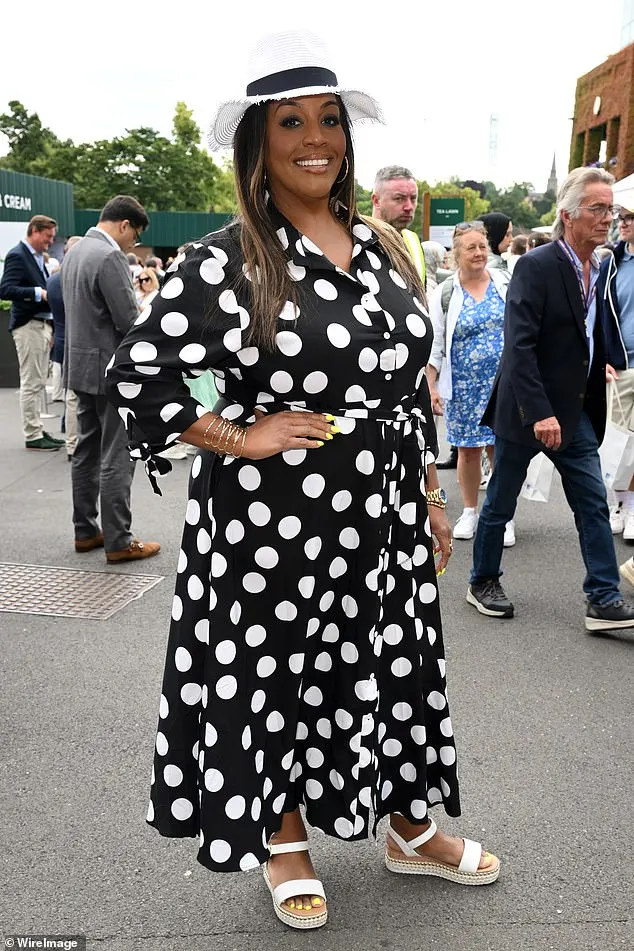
x=603, y=123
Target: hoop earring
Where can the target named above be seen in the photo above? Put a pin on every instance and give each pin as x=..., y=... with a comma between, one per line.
x=345, y=174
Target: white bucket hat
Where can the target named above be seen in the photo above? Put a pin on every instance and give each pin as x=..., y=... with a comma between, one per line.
x=281, y=66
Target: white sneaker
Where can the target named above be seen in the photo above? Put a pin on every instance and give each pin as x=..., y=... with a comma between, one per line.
x=509, y=534
x=628, y=528
x=466, y=525
x=617, y=518
x=174, y=452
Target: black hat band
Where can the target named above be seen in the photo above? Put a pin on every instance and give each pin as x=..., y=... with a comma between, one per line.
x=300, y=78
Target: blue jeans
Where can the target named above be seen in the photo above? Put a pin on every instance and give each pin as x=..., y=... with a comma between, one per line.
x=580, y=471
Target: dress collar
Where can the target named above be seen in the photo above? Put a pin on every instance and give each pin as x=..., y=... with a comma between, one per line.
x=304, y=253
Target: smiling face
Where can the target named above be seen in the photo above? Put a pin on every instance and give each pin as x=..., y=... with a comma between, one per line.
x=304, y=148
x=471, y=251
x=41, y=241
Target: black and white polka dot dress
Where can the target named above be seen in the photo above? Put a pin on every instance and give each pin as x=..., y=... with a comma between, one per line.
x=305, y=661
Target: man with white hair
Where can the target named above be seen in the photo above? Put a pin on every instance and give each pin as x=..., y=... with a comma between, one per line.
x=549, y=396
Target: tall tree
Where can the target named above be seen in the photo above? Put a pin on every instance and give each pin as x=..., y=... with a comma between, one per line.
x=28, y=139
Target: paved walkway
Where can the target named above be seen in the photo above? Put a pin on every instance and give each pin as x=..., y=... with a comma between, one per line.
x=543, y=717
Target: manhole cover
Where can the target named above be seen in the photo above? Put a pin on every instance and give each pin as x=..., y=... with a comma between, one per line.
x=69, y=592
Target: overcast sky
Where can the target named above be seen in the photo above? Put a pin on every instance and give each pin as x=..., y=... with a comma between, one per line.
x=440, y=70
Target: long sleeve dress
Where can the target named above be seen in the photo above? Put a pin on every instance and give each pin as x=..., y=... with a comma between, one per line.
x=305, y=662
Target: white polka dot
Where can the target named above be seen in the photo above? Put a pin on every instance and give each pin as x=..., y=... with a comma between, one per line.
x=172, y=775
x=355, y=394
x=236, y=807
x=177, y=608
x=191, y=694
x=248, y=862
x=286, y=611
x=338, y=567
x=256, y=809
x=361, y=314
x=365, y=462
x=288, y=343
x=398, y=280
x=386, y=789
x=296, y=663
x=255, y=635
x=349, y=537
x=218, y=565
x=174, y=324
x=258, y=700
x=408, y=772
x=314, y=789
x=203, y=540
x=323, y=662
x=164, y=707
x=211, y=735
x=289, y=526
x=315, y=382
x=192, y=353
x=172, y=288
x=436, y=700
x=266, y=666
x=344, y=828
x=254, y=582
x=225, y=652
x=182, y=809
x=324, y=728
x=274, y=722
x=312, y=548
x=407, y=513
x=220, y=850
x=362, y=232
x=169, y=411
x=349, y=652
x=259, y=513
x=343, y=719
x=314, y=696
x=226, y=687
x=447, y=755
x=368, y=360
x=234, y=532
x=338, y=335
x=266, y=557
x=143, y=352
x=392, y=747
x=416, y=325
x=419, y=734
x=427, y=592
x=281, y=382
x=182, y=659
x=350, y=606
x=294, y=457
x=232, y=340
x=313, y=485
x=306, y=586
x=401, y=667
x=248, y=356
x=326, y=601
x=162, y=745
x=341, y=500
x=212, y=271
x=325, y=289
x=419, y=809
x=195, y=588
x=296, y=272
x=393, y=634
x=249, y=478
x=130, y=391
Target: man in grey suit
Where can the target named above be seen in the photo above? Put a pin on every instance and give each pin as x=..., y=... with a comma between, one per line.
x=100, y=308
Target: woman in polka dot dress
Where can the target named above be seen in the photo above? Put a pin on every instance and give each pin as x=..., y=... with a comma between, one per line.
x=305, y=662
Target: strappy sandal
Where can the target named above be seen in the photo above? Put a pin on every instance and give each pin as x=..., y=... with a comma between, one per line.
x=296, y=886
x=466, y=873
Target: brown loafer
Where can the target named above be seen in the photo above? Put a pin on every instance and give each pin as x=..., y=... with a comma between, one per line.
x=88, y=544
x=134, y=551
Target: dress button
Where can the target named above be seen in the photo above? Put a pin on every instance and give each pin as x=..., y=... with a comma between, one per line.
x=386, y=335
x=387, y=466
x=384, y=508
x=388, y=376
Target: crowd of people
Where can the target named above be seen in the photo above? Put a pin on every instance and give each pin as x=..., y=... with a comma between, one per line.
x=294, y=353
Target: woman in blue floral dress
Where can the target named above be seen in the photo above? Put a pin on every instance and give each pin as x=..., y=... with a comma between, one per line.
x=468, y=323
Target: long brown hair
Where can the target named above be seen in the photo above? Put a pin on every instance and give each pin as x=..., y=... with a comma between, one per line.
x=265, y=259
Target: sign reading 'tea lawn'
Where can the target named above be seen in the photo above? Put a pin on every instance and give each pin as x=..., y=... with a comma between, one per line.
x=444, y=215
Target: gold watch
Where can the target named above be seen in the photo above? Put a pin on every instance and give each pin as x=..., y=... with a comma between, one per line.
x=437, y=497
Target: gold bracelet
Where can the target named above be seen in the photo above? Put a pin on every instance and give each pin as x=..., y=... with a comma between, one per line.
x=219, y=436
x=244, y=439
x=216, y=421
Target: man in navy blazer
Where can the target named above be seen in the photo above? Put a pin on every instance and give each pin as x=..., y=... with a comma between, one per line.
x=31, y=325
x=549, y=396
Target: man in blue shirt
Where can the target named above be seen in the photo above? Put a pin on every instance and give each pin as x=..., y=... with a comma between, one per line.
x=31, y=324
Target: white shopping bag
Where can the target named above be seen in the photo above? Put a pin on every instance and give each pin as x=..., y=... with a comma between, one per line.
x=617, y=449
x=539, y=478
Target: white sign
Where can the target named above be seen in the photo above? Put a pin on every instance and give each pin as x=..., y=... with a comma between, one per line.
x=443, y=234
x=11, y=233
x=15, y=202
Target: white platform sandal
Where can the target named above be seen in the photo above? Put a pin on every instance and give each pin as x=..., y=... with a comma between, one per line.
x=296, y=886
x=466, y=873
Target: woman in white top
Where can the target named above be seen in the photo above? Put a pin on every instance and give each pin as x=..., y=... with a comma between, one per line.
x=467, y=312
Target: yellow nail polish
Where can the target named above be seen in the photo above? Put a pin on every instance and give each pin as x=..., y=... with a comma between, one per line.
x=318, y=442
x=439, y=573
x=329, y=436
x=329, y=418
x=291, y=903
x=335, y=429
x=316, y=902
